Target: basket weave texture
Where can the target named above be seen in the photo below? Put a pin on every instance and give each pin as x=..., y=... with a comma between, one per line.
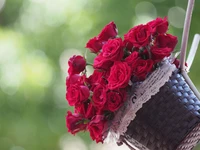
x=169, y=120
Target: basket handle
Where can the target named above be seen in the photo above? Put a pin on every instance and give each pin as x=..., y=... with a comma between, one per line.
x=193, y=51
x=186, y=33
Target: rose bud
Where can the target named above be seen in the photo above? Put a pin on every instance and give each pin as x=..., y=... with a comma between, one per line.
x=75, y=122
x=94, y=44
x=109, y=31
x=159, y=25
x=76, y=64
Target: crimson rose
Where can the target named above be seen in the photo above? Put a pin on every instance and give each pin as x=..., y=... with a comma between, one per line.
x=159, y=53
x=138, y=36
x=113, y=49
x=142, y=68
x=102, y=63
x=94, y=44
x=114, y=99
x=120, y=74
x=98, y=98
x=75, y=122
x=132, y=58
x=77, y=94
x=109, y=31
x=159, y=25
x=76, y=64
x=166, y=40
x=96, y=127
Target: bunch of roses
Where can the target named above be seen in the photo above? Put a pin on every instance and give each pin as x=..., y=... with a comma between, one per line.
x=118, y=64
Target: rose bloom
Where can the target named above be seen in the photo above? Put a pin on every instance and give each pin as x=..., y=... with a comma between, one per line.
x=142, y=68
x=94, y=44
x=77, y=94
x=75, y=79
x=97, y=97
x=113, y=49
x=109, y=31
x=120, y=74
x=166, y=40
x=159, y=53
x=159, y=25
x=132, y=58
x=76, y=64
x=86, y=109
x=96, y=127
x=114, y=99
x=102, y=63
x=138, y=36
x=98, y=77
x=75, y=122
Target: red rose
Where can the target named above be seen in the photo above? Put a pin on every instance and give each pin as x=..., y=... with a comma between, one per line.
x=166, y=40
x=86, y=109
x=119, y=77
x=159, y=53
x=94, y=44
x=109, y=31
x=142, y=68
x=75, y=79
x=114, y=99
x=77, y=94
x=98, y=77
x=113, y=49
x=75, y=122
x=102, y=63
x=159, y=25
x=138, y=36
x=96, y=127
x=132, y=58
x=76, y=64
x=98, y=98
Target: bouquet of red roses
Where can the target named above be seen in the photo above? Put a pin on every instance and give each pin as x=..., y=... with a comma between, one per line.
x=119, y=64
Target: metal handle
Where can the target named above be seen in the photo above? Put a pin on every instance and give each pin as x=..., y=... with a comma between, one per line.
x=193, y=51
x=185, y=35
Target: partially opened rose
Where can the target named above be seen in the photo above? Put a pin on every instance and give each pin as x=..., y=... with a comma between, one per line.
x=75, y=122
x=96, y=127
x=76, y=64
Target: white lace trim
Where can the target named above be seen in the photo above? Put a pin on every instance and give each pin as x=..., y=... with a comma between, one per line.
x=140, y=95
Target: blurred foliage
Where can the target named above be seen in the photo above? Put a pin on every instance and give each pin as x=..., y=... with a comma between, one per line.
x=36, y=39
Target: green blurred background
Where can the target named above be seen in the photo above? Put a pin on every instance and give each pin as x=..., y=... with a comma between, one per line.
x=36, y=39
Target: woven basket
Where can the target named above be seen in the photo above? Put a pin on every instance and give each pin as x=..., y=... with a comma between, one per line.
x=170, y=120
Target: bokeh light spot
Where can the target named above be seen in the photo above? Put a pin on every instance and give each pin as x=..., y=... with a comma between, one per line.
x=2, y=3
x=145, y=9
x=176, y=16
x=37, y=69
x=71, y=143
x=17, y=148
